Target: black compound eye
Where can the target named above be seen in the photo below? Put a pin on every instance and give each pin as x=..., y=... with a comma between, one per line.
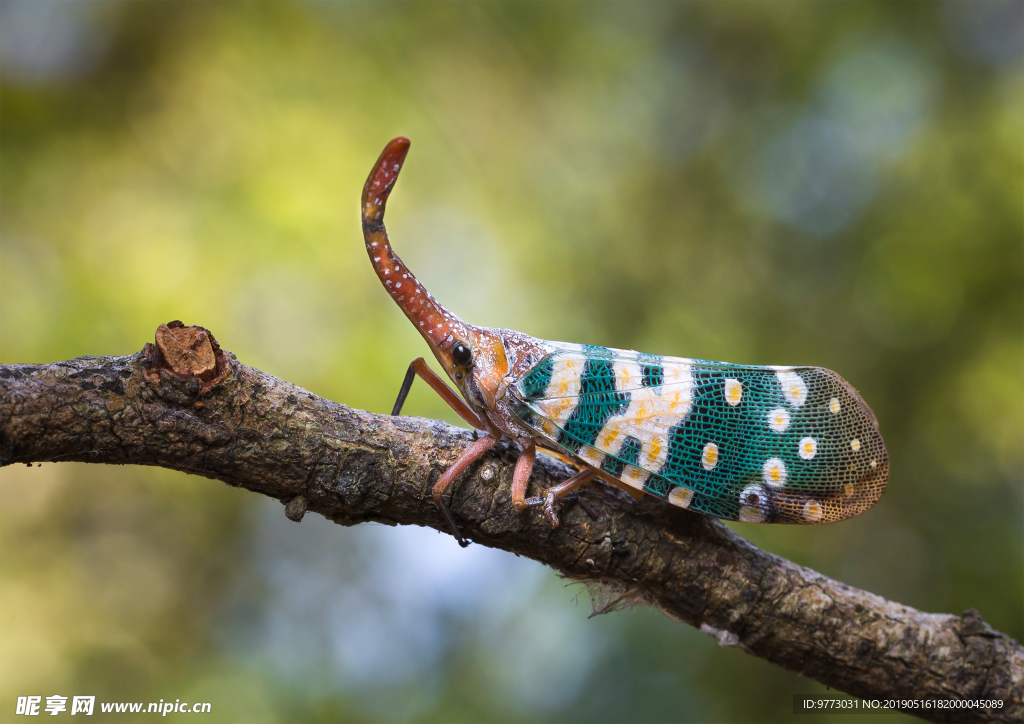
x=462, y=355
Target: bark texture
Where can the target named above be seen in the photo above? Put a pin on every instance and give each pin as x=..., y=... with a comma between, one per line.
x=186, y=405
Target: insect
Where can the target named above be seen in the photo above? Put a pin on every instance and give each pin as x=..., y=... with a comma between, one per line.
x=759, y=444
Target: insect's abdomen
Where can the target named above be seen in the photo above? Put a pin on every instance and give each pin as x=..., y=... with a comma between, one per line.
x=755, y=444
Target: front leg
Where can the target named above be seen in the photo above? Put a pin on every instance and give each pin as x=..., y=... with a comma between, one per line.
x=419, y=367
x=444, y=482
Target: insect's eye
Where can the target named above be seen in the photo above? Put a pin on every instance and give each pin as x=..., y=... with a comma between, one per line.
x=462, y=355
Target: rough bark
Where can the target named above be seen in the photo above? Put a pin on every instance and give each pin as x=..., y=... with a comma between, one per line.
x=186, y=405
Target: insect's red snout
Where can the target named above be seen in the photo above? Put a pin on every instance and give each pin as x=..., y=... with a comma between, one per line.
x=382, y=179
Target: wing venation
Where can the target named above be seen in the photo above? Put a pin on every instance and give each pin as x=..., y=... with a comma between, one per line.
x=756, y=444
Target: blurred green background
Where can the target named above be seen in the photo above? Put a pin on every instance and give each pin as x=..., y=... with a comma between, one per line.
x=835, y=184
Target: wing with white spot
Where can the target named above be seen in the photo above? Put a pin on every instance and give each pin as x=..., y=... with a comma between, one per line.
x=757, y=444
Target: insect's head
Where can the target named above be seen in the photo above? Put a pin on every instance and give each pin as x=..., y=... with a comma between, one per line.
x=478, y=364
x=473, y=357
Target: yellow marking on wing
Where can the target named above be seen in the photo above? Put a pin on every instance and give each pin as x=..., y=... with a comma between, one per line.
x=709, y=457
x=652, y=411
x=559, y=399
x=634, y=476
x=733, y=392
x=644, y=411
x=627, y=376
x=812, y=511
x=680, y=496
x=566, y=377
x=592, y=456
x=606, y=440
x=652, y=452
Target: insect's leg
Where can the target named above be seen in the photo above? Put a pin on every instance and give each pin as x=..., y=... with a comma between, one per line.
x=410, y=375
x=444, y=482
x=419, y=367
x=559, y=491
x=521, y=476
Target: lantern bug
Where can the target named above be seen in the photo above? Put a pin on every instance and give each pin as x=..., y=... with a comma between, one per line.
x=759, y=444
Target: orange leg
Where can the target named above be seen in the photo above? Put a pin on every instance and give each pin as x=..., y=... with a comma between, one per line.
x=438, y=385
x=521, y=477
x=445, y=481
x=476, y=450
x=559, y=491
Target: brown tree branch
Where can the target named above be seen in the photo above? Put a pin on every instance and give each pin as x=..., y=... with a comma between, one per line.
x=184, y=404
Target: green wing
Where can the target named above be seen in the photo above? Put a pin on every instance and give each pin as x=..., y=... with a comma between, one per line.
x=756, y=444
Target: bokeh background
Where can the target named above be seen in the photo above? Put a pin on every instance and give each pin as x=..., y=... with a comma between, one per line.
x=835, y=184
